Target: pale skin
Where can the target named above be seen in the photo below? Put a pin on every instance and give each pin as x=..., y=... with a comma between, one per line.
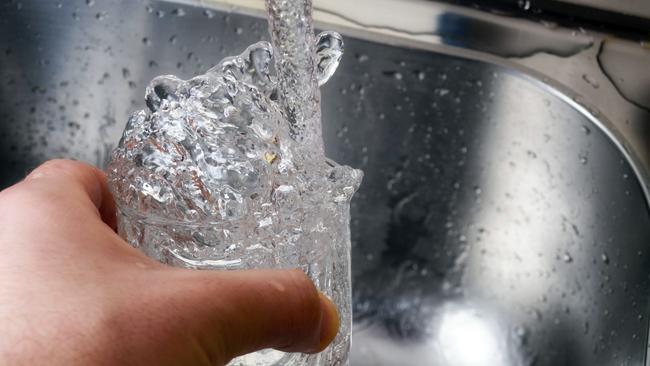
x=72, y=292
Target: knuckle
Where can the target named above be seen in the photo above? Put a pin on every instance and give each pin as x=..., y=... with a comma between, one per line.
x=11, y=195
x=303, y=284
x=55, y=166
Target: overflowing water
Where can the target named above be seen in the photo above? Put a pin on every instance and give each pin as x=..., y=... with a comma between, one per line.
x=227, y=170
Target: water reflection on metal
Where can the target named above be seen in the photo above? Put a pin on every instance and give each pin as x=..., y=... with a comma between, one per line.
x=466, y=337
x=494, y=212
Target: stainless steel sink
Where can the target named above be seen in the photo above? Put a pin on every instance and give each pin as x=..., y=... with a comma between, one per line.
x=502, y=220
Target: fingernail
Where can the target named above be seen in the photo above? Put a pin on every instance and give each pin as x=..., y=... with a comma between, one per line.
x=329, y=324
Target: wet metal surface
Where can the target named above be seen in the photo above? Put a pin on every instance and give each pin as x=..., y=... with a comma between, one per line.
x=496, y=224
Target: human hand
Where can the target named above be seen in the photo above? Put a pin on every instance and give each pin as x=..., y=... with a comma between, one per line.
x=72, y=292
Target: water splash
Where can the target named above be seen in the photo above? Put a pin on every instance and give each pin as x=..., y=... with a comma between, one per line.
x=227, y=170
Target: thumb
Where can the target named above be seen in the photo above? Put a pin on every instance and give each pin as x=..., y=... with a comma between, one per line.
x=231, y=313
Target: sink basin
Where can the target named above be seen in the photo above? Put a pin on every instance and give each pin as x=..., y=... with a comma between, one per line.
x=498, y=223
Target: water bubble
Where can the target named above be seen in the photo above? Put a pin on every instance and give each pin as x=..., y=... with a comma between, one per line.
x=586, y=130
x=361, y=58
x=329, y=50
x=524, y=4
x=90, y=2
x=566, y=257
x=101, y=15
x=146, y=41
x=75, y=15
x=161, y=88
x=239, y=30
x=261, y=58
x=160, y=13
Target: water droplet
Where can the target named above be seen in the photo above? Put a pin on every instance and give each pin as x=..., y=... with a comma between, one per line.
x=239, y=30
x=208, y=13
x=126, y=73
x=566, y=257
x=586, y=130
x=583, y=159
x=536, y=314
x=591, y=81
x=179, y=12
x=520, y=331
x=172, y=39
x=146, y=41
x=101, y=15
x=362, y=58
x=605, y=258
x=524, y=4
x=90, y=2
x=531, y=154
x=549, y=24
x=75, y=15
x=421, y=75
